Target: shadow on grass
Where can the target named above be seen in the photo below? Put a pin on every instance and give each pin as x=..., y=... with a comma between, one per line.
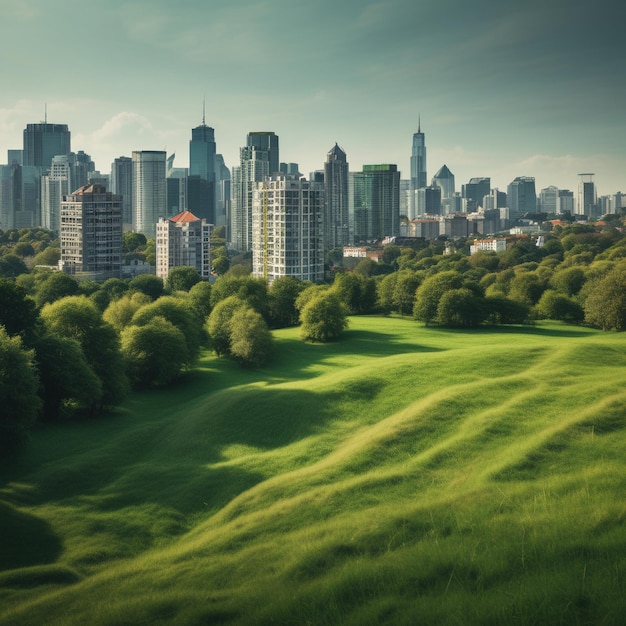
x=25, y=540
x=545, y=331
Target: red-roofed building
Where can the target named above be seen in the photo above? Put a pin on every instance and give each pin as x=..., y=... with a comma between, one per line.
x=183, y=240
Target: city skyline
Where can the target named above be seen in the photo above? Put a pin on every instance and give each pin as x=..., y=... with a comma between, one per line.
x=502, y=91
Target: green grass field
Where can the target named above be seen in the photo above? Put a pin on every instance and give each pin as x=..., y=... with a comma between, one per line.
x=404, y=475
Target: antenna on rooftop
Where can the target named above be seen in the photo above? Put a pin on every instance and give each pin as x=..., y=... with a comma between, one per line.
x=45, y=112
x=204, y=110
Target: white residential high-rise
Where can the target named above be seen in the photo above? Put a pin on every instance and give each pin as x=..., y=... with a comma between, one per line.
x=183, y=240
x=288, y=229
x=149, y=190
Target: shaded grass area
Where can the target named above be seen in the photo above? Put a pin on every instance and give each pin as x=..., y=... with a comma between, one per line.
x=403, y=475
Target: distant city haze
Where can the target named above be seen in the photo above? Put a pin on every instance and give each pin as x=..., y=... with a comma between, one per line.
x=501, y=90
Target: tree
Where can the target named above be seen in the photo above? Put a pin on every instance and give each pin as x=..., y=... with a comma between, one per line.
x=250, y=338
x=569, y=280
x=78, y=318
x=403, y=296
x=23, y=249
x=460, y=308
x=179, y=313
x=155, y=353
x=605, y=306
x=218, y=323
x=55, y=285
x=17, y=310
x=385, y=291
x=281, y=296
x=19, y=401
x=11, y=266
x=131, y=241
x=48, y=256
x=323, y=318
x=182, y=278
x=246, y=288
x=200, y=299
x=356, y=292
x=430, y=292
x=555, y=306
x=502, y=310
x=149, y=284
x=526, y=287
x=120, y=312
x=115, y=287
x=68, y=382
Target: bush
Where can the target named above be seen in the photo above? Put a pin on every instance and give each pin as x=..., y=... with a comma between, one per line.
x=323, y=318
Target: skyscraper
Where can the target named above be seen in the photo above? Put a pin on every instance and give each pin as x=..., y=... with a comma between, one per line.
x=375, y=209
x=587, y=196
x=418, y=160
x=149, y=190
x=43, y=141
x=474, y=191
x=202, y=165
x=122, y=185
x=336, y=211
x=255, y=162
x=522, y=196
x=287, y=228
x=91, y=233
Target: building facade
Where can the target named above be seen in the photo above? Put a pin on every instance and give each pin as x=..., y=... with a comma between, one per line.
x=288, y=229
x=375, y=203
x=183, y=240
x=474, y=191
x=122, y=185
x=149, y=190
x=91, y=233
x=587, y=196
x=521, y=196
x=43, y=141
x=336, y=211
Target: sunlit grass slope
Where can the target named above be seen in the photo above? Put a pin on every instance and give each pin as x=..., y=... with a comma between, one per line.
x=403, y=475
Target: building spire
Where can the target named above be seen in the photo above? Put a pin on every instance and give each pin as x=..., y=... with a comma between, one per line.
x=419, y=122
x=204, y=110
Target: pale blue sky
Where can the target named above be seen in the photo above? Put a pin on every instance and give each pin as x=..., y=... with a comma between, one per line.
x=532, y=88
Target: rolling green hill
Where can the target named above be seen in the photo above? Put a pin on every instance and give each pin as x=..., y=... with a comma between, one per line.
x=402, y=475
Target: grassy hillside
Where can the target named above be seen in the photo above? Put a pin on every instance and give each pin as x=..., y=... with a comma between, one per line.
x=403, y=475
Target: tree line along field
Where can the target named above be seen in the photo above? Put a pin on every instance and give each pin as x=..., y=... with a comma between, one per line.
x=405, y=474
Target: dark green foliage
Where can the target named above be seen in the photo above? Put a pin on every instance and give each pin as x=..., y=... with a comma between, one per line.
x=179, y=313
x=605, y=306
x=48, y=256
x=78, y=318
x=556, y=306
x=430, y=292
x=68, y=382
x=149, y=284
x=200, y=299
x=323, y=318
x=54, y=286
x=250, y=338
x=526, y=287
x=19, y=402
x=460, y=308
x=17, y=310
x=569, y=281
x=131, y=241
x=356, y=292
x=182, y=278
x=502, y=310
x=246, y=288
x=155, y=353
x=11, y=266
x=282, y=295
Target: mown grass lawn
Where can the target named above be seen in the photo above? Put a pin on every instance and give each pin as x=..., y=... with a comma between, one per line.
x=402, y=475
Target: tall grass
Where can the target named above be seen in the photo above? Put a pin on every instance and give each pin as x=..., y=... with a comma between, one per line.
x=403, y=475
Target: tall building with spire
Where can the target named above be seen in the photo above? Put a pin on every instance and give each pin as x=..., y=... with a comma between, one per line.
x=202, y=163
x=418, y=168
x=43, y=141
x=336, y=204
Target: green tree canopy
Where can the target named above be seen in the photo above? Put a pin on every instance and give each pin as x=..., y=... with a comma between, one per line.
x=200, y=299
x=323, y=318
x=155, y=353
x=460, y=308
x=119, y=313
x=48, y=256
x=131, y=241
x=19, y=402
x=356, y=292
x=605, y=306
x=149, y=284
x=250, y=338
x=54, y=286
x=246, y=288
x=77, y=317
x=17, y=310
x=11, y=266
x=556, y=306
x=182, y=278
x=218, y=323
x=68, y=382
x=178, y=312
x=430, y=291
x=282, y=295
